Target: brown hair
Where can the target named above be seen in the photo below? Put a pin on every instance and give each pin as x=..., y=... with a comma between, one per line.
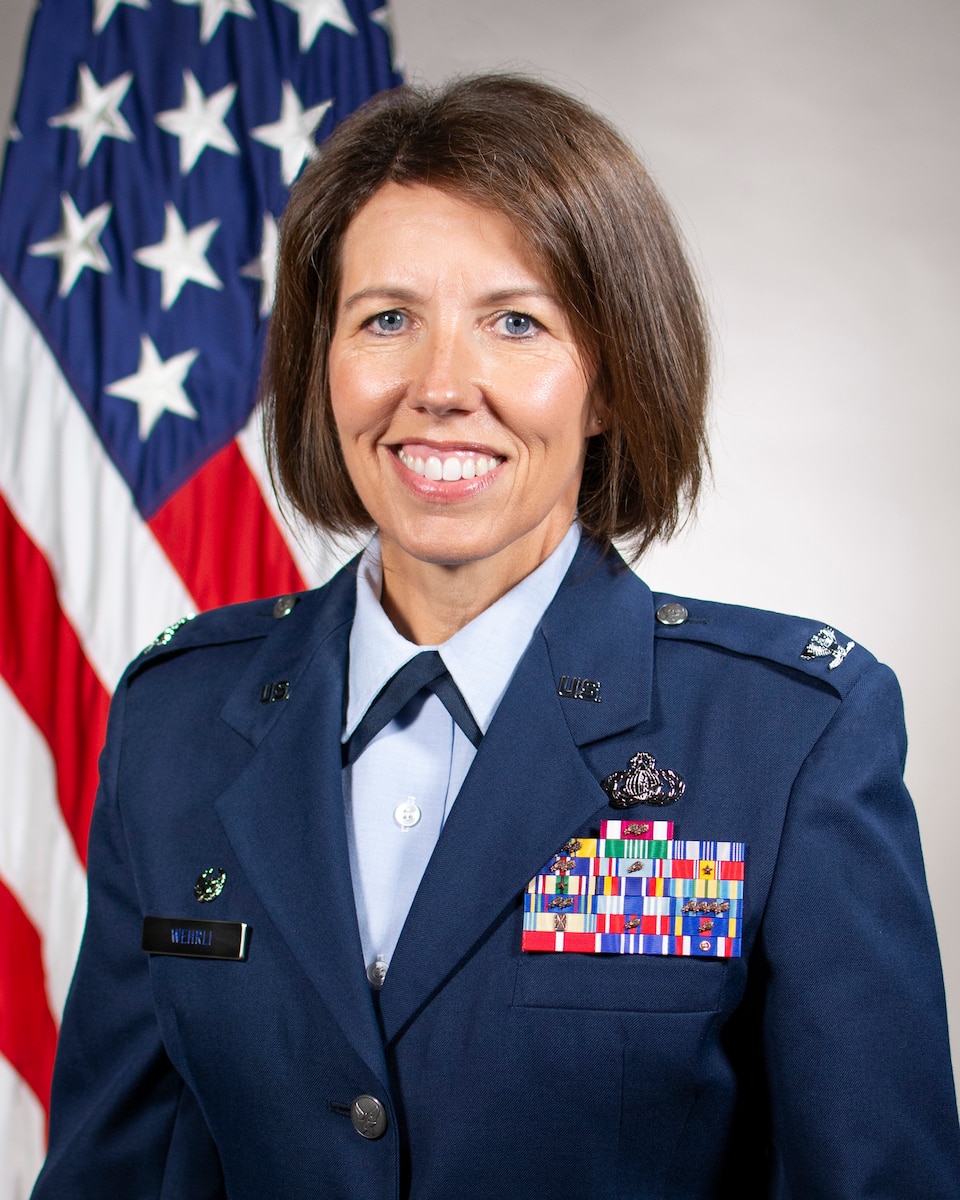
x=583, y=203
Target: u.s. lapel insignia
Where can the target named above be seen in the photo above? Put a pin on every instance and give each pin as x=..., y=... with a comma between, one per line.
x=643, y=783
x=572, y=687
x=824, y=644
x=209, y=885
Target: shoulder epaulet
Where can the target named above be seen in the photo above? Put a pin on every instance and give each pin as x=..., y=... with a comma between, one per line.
x=810, y=647
x=232, y=623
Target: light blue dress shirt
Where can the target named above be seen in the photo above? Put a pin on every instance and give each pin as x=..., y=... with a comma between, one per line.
x=401, y=788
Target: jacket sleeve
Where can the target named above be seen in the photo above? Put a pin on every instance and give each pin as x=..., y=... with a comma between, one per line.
x=855, y=1036
x=123, y=1123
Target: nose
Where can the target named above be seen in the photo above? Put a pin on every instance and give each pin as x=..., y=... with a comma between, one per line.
x=445, y=377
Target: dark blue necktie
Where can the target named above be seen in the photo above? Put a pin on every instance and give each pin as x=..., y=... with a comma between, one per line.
x=425, y=671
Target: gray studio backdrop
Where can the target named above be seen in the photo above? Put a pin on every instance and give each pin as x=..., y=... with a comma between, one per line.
x=810, y=148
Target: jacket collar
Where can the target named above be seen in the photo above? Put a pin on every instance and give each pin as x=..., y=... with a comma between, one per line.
x=284, y=813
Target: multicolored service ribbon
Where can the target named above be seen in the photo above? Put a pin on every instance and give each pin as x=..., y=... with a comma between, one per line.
x=635, y=890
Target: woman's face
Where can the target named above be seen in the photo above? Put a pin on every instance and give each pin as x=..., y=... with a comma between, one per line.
x=462, y=401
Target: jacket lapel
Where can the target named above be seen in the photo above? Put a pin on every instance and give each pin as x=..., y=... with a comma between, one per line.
x=529, y=788
x=284, y=812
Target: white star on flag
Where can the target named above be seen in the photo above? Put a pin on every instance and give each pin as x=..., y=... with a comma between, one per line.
x=212, y=13
x=104, y=10
x=77, y=245
x=293, y=134
x=199, y=122
x=312, y=15
x=96, y=113
x=264, y=266
x=180, y=257
x=384, y=18
x=157, y=386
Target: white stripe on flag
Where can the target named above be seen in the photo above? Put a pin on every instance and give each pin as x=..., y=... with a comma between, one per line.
x=24, y=1126
x=116, y=585
x=38, y=861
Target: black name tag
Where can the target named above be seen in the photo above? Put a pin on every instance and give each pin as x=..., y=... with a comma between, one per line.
x=196, y=939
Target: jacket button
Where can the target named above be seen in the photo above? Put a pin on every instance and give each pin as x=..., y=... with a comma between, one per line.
x=672, y=614
x=285, y=606
x=369, y=1117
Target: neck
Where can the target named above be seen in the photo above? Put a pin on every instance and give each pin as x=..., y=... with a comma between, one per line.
x=429, y=602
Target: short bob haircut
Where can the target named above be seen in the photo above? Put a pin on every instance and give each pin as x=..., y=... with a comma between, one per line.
x=585, y=207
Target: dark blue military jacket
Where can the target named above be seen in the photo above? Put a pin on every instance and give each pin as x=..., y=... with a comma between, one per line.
x=813, y=1067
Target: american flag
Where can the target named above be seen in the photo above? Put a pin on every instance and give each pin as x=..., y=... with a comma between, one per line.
x=153, y=145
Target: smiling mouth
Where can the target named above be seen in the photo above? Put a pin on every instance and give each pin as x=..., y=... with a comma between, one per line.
x=449, y=467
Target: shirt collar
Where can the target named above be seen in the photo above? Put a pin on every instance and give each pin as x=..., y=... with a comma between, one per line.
x=481, y=656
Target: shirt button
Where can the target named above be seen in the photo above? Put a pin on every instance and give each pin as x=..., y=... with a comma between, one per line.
x=407, y=814
x=377, y=972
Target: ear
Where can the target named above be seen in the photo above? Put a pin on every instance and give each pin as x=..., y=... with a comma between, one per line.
x=598, y=412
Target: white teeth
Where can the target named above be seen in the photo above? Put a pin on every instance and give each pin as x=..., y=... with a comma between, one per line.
x=449, y=469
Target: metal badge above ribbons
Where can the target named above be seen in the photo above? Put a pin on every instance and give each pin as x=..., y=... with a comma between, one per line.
x=643, y=783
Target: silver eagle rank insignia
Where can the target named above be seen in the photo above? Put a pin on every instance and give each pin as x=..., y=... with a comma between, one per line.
x=824, y=644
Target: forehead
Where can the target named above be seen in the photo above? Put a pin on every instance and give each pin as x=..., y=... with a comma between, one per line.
x=406, y=227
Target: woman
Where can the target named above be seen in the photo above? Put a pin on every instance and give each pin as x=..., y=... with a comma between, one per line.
x=487, y=348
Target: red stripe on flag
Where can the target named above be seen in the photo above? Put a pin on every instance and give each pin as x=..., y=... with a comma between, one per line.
x=221, y=537
x=43, y=662
x=28, y=1032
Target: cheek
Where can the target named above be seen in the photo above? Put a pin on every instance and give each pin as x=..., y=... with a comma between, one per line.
x=362, y=394
x=350, y=396
x=554, y=405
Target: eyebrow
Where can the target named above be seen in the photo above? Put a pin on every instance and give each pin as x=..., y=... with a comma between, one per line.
x=401, y=295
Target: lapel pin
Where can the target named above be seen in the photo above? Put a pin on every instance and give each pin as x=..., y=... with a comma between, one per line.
x=824, y=644
x=210, y=884
x=165, y=636
x=270, y=693
x=643, y=783
x=572, y=687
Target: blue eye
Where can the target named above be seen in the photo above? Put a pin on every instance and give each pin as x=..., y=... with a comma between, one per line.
x=388, y=322
x=518, y=324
